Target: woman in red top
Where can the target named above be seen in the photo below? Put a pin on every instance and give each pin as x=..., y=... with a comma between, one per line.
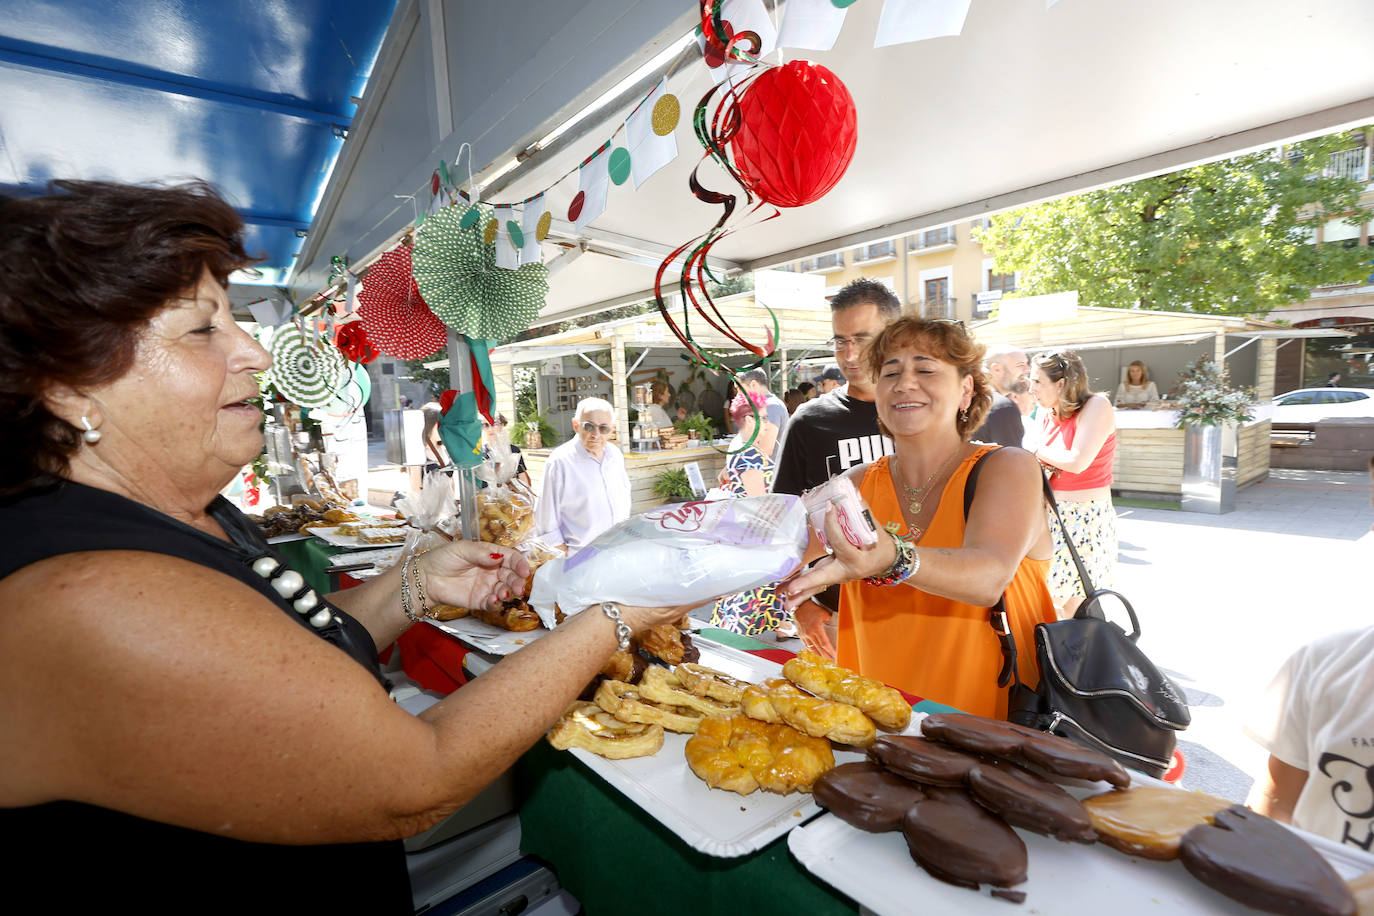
x=1078, y=445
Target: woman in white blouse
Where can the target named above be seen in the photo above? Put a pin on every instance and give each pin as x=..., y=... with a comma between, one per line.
x=1137, y=389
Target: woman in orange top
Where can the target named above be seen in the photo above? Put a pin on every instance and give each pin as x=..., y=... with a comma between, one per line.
x=929, y=634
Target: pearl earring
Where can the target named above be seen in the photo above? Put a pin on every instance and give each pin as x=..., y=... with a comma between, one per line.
x=91, y=435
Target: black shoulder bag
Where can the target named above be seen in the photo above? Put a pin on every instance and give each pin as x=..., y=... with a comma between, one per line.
x=1096, y=686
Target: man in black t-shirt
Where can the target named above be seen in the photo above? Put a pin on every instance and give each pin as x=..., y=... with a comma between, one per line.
x=1004, y=365
x=834, y=432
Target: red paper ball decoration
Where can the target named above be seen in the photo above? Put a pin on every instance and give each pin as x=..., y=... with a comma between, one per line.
x=352, y=340
x=796, y=135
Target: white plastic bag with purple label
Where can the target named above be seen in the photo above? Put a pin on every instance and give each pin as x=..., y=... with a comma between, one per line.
x=688, y=553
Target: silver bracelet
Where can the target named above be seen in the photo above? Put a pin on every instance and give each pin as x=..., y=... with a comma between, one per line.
x=622, y=629
x=407, y=605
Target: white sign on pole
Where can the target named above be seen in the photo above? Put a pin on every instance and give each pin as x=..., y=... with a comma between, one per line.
x=694, y=479
x=1032, y=309
x=648, y=332
x=987, y=297
x=782, y=289
x=551, y=366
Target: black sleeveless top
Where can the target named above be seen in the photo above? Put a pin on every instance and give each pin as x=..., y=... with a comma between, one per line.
x=77, y=854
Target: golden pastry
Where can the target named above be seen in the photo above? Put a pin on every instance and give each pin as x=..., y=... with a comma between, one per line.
x=625, y=702
x=447, y=612
x=588, y=726
x=1150, y=821
x=779, y=700
x=662, y=686
x=883, y=704
x=740, y=754
x=708, y=682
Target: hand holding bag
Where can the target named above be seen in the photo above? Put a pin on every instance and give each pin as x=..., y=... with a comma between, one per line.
x=1096, y=687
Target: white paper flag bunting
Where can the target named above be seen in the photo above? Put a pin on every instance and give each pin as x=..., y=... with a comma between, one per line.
x=270, y=312
x=741, y=16
x=905, y=21
x=593, y=179
x=351, y=296
x=529, y=224
x=649, y=132
x=507, y=255
x=811, y=24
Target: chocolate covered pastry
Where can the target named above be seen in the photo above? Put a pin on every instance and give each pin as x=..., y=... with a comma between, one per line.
x=922, y=760
x=1150, y=821
x=954, y=839
x=1250, y=858
x=867, y=796
x=1056, y=755
x=1023, y=799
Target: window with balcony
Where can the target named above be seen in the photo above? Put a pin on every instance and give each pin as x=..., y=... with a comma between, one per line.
x=876, y=251
x=931, y=238
x=1350, y=164
x=825, y=262
x=1005, y=283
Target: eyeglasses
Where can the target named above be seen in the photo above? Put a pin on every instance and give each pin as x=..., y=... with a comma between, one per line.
x=589, y=428
x=841, y=343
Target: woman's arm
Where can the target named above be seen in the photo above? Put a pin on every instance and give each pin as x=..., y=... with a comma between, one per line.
x=1096, y=421
x=1006, y=521
x=153, y=686
x=1275, y=793
x=1151, y=392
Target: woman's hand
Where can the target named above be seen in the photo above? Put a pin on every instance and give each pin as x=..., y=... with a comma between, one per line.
x=811, y=620
x=471, y=574
x=845, y=564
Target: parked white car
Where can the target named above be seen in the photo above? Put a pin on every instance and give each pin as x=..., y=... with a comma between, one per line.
x=1308, y=405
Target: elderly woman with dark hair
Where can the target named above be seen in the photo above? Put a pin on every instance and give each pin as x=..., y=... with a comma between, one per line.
x=176, y=699
x=1077, y=444
x=914, y=609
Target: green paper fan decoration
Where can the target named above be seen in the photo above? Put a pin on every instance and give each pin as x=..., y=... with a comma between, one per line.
x=304, y=373
x=458, y=277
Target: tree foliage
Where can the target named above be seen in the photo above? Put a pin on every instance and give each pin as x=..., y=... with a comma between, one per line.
x=1231, y=236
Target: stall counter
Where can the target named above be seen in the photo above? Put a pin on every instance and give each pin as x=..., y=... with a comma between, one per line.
x=1149, y=451
x=642, y=467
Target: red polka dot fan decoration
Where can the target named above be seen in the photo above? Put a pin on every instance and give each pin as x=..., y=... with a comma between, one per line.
x=396, y=318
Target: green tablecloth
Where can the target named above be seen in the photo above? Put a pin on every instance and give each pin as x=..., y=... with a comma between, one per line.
x=614, y=858
x=309, y=557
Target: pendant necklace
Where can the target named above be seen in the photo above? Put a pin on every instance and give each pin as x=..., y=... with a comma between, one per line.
x=915, y=496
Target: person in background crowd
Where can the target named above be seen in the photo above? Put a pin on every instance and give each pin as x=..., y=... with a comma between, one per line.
x=434, y=445
x=836, y=431
x=585, y=487
x=807, y=390
x=521, y=473
x=792, y=399
x=1004, y=366
x=748, y=472
x=1333, y=380
x=1320, y=739
x=407, y=403
x=1078, y=442
x=756, y=382
x=173, y=692
x=1020, y=395
x=1136, y=389
x=831, y=378
x=656, y=415
x=929, y=633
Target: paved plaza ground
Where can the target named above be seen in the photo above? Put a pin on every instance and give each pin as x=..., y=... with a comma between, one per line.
x=1224, y=599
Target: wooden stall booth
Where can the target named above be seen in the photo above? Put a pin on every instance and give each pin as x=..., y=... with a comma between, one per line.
x=610, y=359
x=1150, y=455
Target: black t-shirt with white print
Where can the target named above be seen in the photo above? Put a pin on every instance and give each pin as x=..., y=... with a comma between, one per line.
x=827, y=436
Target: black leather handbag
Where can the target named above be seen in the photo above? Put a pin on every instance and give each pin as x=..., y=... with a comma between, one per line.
x=1096, y=687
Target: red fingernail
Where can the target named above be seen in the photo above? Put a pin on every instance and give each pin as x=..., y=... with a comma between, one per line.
x=495, y=556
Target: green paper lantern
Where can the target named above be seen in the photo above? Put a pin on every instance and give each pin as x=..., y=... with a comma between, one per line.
x=458, y=277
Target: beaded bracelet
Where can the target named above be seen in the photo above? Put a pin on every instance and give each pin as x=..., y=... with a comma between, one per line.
x=622, y=629
x=406, y=604
x=904, y=565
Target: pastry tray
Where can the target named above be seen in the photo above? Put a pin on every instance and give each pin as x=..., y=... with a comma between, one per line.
x=1065, y=879
x=487, y=638
x=332, y=537
x=712, y=821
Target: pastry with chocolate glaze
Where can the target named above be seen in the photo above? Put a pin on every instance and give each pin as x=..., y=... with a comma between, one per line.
x=922, y=760
x=866, y=796
x=1150, y=821
x=954, y=839
x=1023, y=799
x=1250, y=858
x=1056, y=755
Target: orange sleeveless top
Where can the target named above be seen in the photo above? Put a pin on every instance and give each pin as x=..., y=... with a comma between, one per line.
x=935, y=647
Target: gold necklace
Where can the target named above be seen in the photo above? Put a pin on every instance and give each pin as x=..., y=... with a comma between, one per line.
x=915, y=496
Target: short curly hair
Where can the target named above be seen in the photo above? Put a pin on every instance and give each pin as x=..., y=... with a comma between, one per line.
x=82, y=271
x=947, y=340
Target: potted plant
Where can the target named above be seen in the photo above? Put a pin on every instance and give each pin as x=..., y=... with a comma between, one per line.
x=672, y=486
x=532, y=429
x=698, y=423
x=1210, y=410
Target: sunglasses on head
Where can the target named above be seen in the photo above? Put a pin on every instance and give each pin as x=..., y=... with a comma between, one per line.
x=589, y=427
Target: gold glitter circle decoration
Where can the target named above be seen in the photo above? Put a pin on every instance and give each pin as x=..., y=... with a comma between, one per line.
x=666, y=114
x=541, y=231
x=489, y=234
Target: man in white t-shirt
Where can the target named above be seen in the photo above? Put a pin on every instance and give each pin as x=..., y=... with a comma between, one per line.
x=756, y=382
x=585, y=489
x=1316, y=720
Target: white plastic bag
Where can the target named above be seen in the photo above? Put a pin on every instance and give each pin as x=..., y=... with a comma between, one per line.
x=688, y=553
